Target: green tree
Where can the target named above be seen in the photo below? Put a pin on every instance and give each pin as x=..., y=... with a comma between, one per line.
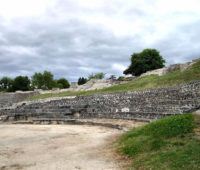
x=96, y=76
x=148, y=59
x=21, y=83
x=82, y=80
x=43, y=81
x=48, y=80
x=6, y=83
x=63, y=83
x=37, y=81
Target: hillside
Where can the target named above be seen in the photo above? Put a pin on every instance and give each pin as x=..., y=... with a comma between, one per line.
x=170, y=143
x=151, y=81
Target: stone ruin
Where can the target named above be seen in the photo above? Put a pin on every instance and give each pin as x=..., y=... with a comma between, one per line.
x=142, y=105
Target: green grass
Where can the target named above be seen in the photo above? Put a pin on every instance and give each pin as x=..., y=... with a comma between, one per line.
x=169, y=143
x=152, y=81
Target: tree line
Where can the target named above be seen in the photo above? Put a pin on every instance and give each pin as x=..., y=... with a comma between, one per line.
x=43, y=81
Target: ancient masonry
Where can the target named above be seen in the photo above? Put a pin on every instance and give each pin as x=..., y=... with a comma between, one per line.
x=7, y=99
x=147, y=104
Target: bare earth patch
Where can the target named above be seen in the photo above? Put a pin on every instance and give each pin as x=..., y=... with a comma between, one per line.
x=63, y=147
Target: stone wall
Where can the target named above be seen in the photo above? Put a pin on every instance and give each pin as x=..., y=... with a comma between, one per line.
x=171, y=68
x=7, y=99
x=145, y=104
x=92, y=84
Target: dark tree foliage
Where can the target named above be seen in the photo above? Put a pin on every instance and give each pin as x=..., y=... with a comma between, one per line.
x=6, y=83
x=148, y=59
x=63, y=83
x=43, y=81
x=21, y=83
x=82, y=80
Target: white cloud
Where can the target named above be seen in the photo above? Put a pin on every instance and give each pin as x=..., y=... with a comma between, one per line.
x=118, y=67
x=10, y=9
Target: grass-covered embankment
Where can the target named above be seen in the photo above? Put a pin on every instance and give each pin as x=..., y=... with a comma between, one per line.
x=170, y=143
x=152, y=81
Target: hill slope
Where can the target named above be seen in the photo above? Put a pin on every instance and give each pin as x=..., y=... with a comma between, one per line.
x=152, y=81
x=170, y=143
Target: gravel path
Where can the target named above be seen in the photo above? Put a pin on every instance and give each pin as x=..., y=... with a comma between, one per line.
x=56, y=147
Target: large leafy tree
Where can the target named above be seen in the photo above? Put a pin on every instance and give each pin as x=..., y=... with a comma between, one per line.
x=63, y=83
x=48, y=80
x=43, y=81
x=148, y=59
x=21, y=83
x=37, y=80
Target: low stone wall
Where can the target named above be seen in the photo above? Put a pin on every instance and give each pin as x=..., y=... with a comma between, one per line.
x=7, y=99
x=137, y=105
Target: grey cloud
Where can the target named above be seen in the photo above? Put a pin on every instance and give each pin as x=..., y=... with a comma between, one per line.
x=78, y=48
x=182, y=44
x=70, y=47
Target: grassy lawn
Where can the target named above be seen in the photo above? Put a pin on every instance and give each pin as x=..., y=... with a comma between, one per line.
x=170, y=143
x=146, y=82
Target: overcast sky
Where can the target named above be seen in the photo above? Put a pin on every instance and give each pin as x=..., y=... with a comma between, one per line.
x=73, y=38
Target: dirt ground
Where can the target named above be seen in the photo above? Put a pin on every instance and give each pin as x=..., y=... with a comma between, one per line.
x=57, y=147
